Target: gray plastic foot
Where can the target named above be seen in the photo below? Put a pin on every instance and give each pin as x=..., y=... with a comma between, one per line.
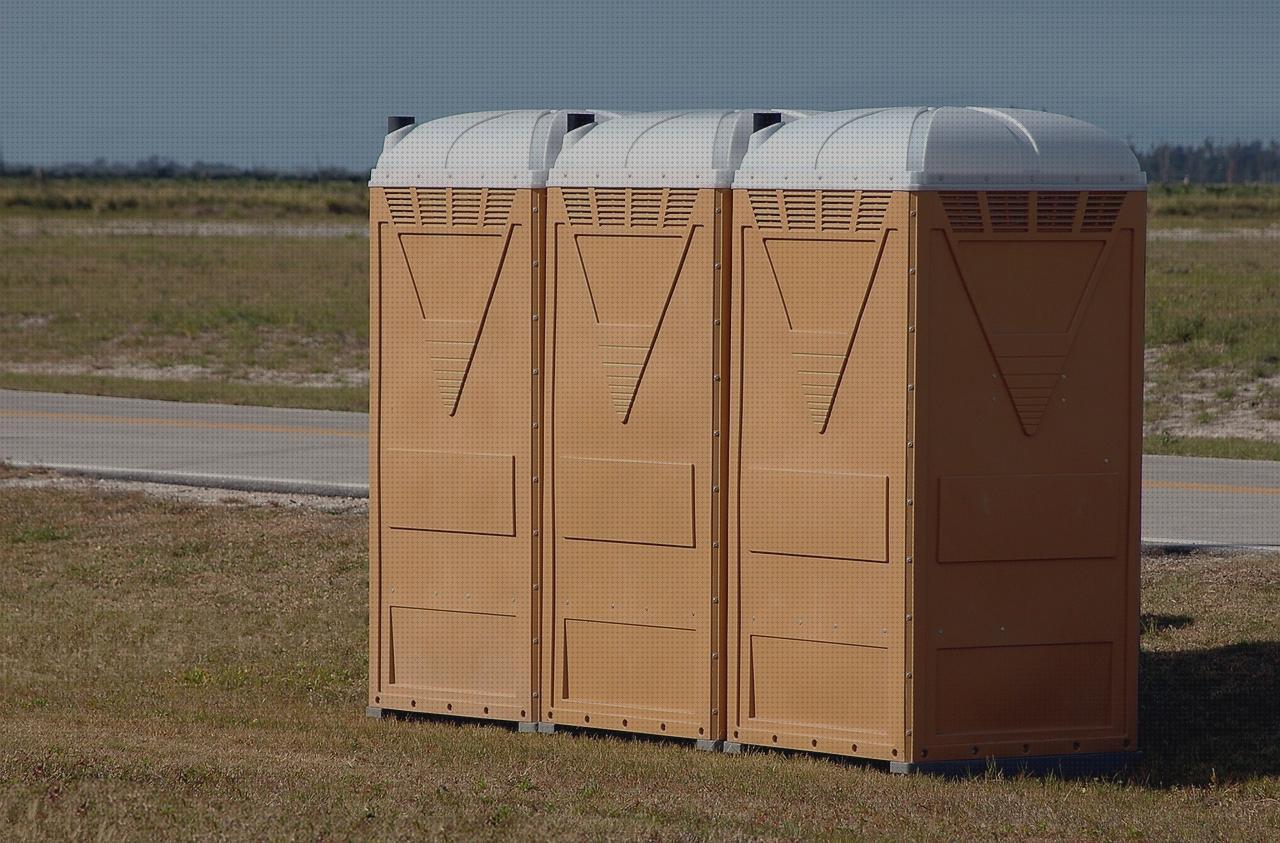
x=372, y=711
x=529, y=726
x=546, y=728
x=731, y=747
x=708, y=746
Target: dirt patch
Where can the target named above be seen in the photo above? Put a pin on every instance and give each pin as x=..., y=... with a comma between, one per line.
x=190, y=372
x=1217, y=403
x=12, y=478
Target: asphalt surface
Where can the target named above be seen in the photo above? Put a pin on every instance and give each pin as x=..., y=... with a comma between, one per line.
x=1187, y=501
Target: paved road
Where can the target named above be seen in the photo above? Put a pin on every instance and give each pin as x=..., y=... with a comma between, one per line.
x=1185, y=500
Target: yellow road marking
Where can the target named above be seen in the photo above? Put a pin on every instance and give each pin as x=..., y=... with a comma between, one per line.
x=199, y=424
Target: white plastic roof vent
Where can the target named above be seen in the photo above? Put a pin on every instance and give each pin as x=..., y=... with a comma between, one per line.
x=484, y=149
x=947, y=148
x=662, y=149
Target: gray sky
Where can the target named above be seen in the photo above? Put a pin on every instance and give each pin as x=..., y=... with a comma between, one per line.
x=309, y=83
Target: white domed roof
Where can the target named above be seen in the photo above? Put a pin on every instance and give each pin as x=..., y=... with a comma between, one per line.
x=947, y=148
x=481, y=149
x=659, y=149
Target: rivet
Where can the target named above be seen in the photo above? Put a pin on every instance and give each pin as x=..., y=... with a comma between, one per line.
x=911, y=501
x=535, y=694
x=715, y=599
x=535, y=371
x=908, y=674
x=535, y=586
x=715, y=656
x=716, y=266
x=910, y=444
x=910, y=559
x=715, y=711
x=913, y=213
x=717, y=210
x=535, y=209
x=535, y=263
x=535, y=641
x=535, y=317
x=715, y=544
x=911, y=387
x=716, y=378
x=717, y=433
x=716, y=322
x=715, y=488
x=535, y=425
x=911, y=329
x=537, y=532
x=535, y=478
x=908, y=731
x=909, y=616
x=911, y=271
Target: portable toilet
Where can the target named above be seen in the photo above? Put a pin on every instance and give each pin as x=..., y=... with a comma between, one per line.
x=936, y=407
x=637, y=238
x=456, y=292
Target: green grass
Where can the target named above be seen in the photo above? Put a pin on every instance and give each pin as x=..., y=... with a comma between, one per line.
x=228, y=303
x=209, y=683
x=1231, y=448
x=350, y=398
x=1200, y=206
x=83, y=198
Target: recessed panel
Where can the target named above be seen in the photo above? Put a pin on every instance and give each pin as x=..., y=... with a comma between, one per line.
x=625, y=501
x=1028, y=516
x=449, y=492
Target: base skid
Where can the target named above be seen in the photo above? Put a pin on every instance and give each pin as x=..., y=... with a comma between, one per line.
x=708, y=746
x=1073, y=766
x=375, y=712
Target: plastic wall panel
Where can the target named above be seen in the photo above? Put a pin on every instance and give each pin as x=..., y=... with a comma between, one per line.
x=1028, y=441
x=818, y=463
x=631, y=634
x=452, y=611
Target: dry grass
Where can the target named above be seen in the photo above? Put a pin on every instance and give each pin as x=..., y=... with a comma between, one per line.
x=197, y=671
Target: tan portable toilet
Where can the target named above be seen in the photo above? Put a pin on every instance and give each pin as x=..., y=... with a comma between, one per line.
x=936, y=407
x=633, y=609
x=456, y=292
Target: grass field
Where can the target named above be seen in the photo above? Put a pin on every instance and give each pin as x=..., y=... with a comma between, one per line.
x=209, y=682
x=282, y=318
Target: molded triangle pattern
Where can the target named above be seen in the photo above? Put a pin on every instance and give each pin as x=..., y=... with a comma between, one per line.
x=630, y=280
x=823, y=286
x=1028, y=298
x=454, y=279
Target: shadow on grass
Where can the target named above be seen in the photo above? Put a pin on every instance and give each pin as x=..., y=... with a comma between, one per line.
x=1210, y=715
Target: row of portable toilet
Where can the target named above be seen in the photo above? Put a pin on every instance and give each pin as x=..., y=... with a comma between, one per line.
x=809, y=430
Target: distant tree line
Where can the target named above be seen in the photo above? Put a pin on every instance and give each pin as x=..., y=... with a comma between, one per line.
x=163, y=168
x=1206, y=163
x=1211, y=163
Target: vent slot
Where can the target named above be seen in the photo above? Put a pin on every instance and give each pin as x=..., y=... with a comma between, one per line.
x=1101, y=210
x=640, y=207
x=497, y=206
x=964, y=212
x=466, y=207
x=400, y=205
x=1009, y=211
x=679, y=207
x=433, y=207
x=1056, y=211
x=577, y=205
x=800, y=208
x=872, y=207
x=835, y=209
x=766, y=208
